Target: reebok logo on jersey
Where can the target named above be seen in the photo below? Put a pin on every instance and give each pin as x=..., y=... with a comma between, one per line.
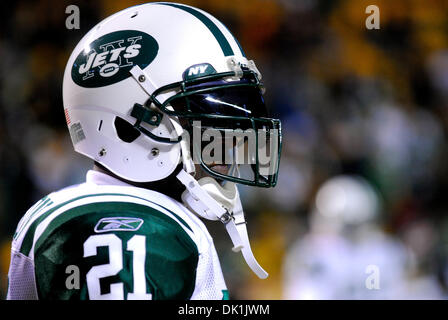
x=109, y=58
x=118, y=224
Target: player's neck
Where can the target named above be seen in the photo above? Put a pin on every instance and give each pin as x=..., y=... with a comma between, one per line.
x=169, y=186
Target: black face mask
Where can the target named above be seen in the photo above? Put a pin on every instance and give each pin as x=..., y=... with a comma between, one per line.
x=236, y=101
x=229, y=107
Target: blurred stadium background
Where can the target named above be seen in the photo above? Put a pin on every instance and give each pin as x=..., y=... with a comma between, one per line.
x=364, y=171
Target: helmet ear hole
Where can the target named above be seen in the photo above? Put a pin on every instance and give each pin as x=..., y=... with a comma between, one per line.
x=125, y=130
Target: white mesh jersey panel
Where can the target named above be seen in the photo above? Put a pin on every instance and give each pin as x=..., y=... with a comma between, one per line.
x=210, y=284
x=22, y=284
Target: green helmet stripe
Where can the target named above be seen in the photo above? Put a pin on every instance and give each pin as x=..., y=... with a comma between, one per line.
x=237, y=42
x=222, y=40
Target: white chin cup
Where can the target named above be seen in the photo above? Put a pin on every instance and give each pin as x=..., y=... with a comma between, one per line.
x=225, y=195
x=198, y=200
x=211, y=201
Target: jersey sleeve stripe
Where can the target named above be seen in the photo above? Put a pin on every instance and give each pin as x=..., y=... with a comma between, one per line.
x=28, y=240
x=106, y=206
x=42, y=204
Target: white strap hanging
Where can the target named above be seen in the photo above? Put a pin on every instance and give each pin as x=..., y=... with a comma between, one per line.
x=204, y=205
x=237, y=230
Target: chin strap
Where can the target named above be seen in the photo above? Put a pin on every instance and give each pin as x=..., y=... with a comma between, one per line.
x=201, y=201
x=188, y=164
x=237, y=230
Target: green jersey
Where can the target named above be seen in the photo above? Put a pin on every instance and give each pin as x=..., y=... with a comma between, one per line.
x=104, y=239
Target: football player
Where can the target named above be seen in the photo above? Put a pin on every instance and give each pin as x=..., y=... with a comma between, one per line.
x=143, y=90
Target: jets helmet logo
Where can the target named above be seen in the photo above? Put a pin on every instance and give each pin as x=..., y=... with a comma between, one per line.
x=109, y=58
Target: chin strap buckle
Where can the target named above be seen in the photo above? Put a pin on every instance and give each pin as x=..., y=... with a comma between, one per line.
x=226, y=217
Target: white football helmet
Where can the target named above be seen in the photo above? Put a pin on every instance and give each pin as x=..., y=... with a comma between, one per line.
x=137, y=85
x=345, y=201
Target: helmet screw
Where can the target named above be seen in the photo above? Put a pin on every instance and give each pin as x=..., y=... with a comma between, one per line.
x=141, y=78
x=154, y=119
x=155, y=152
x=102, y=152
